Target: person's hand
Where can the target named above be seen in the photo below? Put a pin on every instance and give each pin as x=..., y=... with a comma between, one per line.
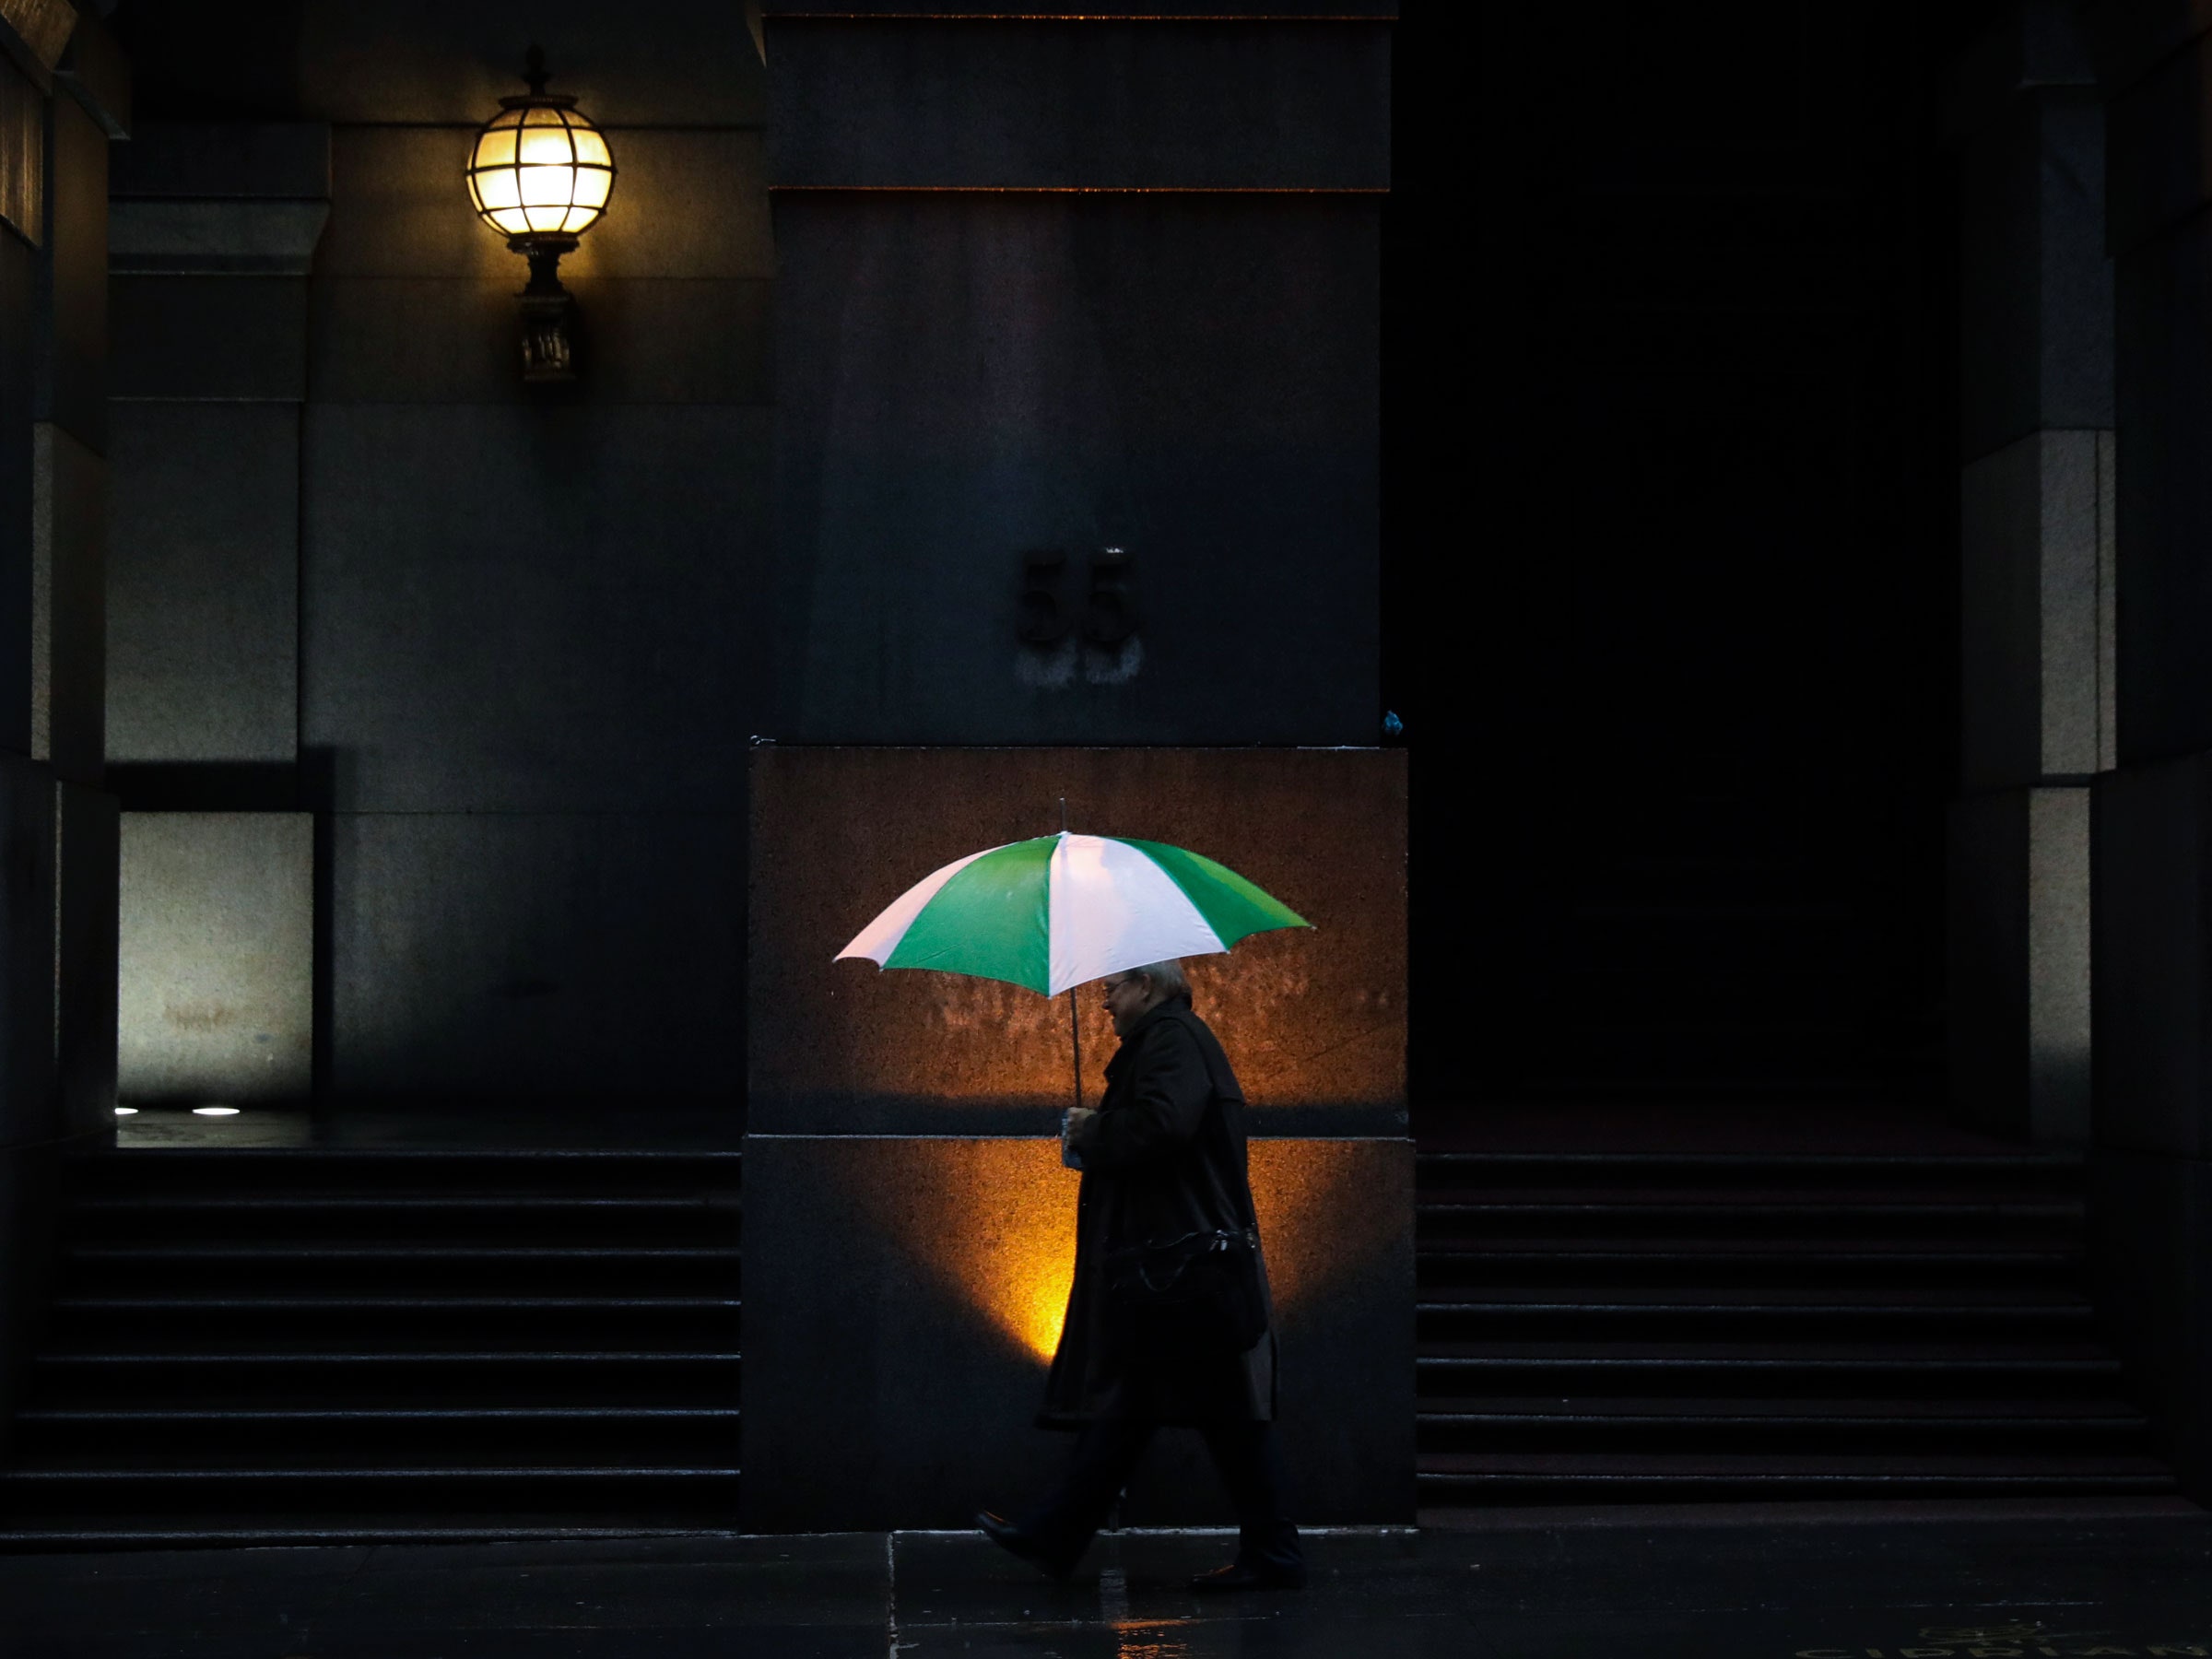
x=1078, y=1121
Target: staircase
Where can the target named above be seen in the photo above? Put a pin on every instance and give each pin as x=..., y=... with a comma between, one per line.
x=1618, y=1328
x=328, y=1345
x=335, y=1345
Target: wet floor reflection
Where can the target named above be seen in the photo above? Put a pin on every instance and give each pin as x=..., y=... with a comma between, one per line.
x=2050, y=1586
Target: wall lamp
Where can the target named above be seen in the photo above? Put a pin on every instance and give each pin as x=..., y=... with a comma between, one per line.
x=540, y=175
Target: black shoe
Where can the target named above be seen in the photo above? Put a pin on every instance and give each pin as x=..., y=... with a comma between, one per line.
x=1221, y=1580
x=1029, y=1547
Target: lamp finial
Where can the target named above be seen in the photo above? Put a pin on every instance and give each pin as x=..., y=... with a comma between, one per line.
x=535, y=70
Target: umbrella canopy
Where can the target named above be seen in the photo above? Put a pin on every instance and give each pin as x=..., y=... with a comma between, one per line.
x=1060, y=910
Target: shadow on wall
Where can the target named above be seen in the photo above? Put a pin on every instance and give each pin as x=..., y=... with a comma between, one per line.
x=1313, y=1021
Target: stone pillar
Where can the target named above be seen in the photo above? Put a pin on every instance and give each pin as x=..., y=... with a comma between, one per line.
x=909, y=1226
x=1076, y=371
x=63, y=96
x=2037, y=534
x=211, y=230
x=2151, y=831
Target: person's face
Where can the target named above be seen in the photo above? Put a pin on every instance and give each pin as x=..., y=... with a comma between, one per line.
x=1128, y=998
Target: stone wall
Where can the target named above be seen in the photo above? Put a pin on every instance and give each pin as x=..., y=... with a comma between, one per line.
x=63, y=95
x=500, y=645
x=2151, y=837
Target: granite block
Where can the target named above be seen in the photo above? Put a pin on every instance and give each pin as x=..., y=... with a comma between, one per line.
x=89, y=842
x=2019, y=963
x=1999, y=310
x=2059, y=1020
x=2165, y=494
x=2034, y=612
x=512, y=608
x=216, y=957
x=2035, y=280
x=69, y=633
x=2000, y=530
x=242, y=159
x=216, y=337
x=963, y=378
x=227, y=237
x=536, y=957
x=73, y=378
x=1081, y=103
x=26, y=951
x=219, y=197
x=2161, y=158
x=1986, y=957
x=203, y=582
x=2152, y=840
x=903, y=1297
x=1314, y=1020
x=2075, y=267
x=18, y=317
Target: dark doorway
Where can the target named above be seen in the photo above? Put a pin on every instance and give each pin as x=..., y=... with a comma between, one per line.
x=1670, y=596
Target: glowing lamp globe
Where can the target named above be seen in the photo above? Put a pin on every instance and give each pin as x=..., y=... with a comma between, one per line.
x=540, y=168
x=541, y=174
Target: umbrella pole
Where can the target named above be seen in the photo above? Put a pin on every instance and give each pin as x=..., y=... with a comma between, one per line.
x=1075, y=1028
x=1075, y=1033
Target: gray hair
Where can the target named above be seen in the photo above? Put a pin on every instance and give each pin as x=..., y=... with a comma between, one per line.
x=1166, y=977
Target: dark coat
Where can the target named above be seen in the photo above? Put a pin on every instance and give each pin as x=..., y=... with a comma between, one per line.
x=1158, y=1162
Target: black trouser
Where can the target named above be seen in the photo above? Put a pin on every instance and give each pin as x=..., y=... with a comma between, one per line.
x=1106, y=1456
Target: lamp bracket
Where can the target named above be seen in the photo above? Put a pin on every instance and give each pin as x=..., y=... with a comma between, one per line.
x=548, y=309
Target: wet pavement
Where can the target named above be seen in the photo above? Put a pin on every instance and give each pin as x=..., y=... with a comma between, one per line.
x=1940, y=1586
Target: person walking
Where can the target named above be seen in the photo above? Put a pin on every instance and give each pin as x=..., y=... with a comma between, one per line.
x=1163, y=1163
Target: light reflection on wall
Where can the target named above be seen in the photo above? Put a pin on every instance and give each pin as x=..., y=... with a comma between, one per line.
x=215, y=955
x=993, y=1221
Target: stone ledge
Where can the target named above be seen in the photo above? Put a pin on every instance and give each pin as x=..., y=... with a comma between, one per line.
x=214, y=238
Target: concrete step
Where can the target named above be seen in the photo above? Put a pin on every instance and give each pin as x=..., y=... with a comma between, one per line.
x=680, y=1321
x=1446, y=1479
x=1872, y=1425
x=1464, y=1213
x=1462, y=1312
x=296, y=1432
x=419, y=1266
x=42, y=1531
x=439, y=1218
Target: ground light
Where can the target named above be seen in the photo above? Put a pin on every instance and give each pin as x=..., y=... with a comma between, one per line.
x=215, y=1112
x=127, y=1112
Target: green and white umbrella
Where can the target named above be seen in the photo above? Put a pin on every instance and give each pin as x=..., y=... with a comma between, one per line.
x=1057, y=911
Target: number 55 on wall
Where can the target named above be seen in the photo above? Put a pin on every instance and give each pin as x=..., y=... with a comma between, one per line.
x=1108, y=615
